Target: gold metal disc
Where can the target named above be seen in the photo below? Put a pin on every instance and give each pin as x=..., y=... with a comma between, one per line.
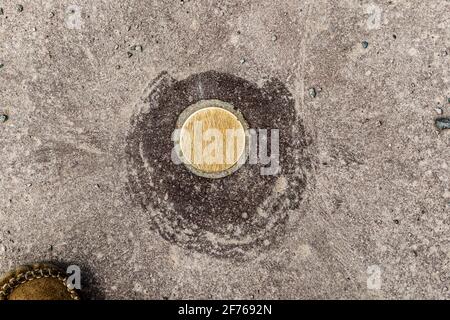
x=212, y=138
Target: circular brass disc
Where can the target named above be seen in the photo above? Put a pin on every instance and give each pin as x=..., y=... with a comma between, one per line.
x=212, y=138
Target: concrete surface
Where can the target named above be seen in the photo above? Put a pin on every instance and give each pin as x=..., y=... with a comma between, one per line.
x=374, y=220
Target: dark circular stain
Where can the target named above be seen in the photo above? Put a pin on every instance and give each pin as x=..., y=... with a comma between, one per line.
x=224, y=217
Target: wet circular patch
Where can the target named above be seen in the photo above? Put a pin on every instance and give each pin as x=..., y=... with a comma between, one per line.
x=233, y=215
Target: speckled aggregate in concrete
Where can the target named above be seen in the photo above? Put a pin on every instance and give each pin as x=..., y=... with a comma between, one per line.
x=374, y=221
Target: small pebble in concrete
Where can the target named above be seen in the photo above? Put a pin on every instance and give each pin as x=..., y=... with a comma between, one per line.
x=443, y=123
x=448, y=99
x=19, y=8
x=242, y=61
x=396, y=221
x=438, y=111
x=274, y=38
x=137, y=48
x=312, y=92
x=51, y=14
x=3, y=118
x=1, y=11
x=129, y=54
x=1, y=65
x=365, y=44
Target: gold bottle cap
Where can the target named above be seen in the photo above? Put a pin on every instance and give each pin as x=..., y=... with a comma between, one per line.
x=212, y=139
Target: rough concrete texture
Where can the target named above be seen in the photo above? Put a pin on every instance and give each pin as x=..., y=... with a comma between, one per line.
x=374, y=219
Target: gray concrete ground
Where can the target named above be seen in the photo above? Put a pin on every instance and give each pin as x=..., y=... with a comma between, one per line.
x=374, y=220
